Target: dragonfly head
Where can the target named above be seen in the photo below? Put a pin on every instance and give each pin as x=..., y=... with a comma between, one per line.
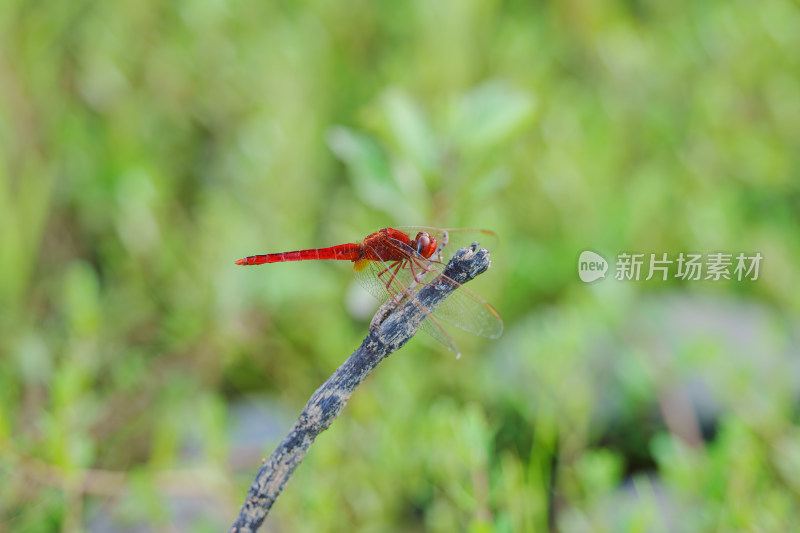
x=424, y=244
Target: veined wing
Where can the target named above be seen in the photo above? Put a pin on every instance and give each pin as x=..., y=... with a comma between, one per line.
x=395, y=280
x=402, y=279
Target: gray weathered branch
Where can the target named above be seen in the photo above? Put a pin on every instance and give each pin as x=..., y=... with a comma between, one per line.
x=329, y=400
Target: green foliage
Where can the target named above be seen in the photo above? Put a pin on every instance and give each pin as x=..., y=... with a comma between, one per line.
x=145, y=146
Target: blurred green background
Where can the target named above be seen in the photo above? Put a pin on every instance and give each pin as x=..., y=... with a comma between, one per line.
x=148, y=145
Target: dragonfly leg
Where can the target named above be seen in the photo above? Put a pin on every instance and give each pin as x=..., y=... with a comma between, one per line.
x=393, y=269
x=385, y=270
x=420, y=266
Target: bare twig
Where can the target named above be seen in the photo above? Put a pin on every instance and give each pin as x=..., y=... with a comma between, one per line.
x=385, y=337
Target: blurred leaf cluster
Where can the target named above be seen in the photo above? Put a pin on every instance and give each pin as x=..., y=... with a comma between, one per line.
x=145, y=146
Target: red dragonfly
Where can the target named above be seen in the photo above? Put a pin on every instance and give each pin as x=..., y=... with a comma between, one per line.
x=392, y=264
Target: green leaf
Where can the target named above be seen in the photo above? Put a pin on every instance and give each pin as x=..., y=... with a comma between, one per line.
x=489, y=115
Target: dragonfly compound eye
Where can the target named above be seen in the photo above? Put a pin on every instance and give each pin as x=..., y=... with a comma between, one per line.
x=426, y=245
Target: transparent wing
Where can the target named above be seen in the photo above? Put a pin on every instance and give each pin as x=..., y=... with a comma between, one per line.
x=469, y=312
x=394, y=280
x=402, y=279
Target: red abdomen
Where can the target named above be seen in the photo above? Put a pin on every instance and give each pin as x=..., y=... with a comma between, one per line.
x=341, y=252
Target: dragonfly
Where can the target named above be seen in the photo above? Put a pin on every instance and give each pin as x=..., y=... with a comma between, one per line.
x=395, y=263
